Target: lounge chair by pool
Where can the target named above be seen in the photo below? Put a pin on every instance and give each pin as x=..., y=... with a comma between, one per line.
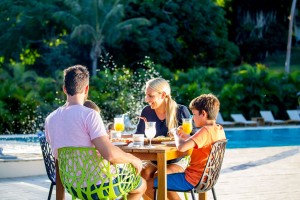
x=222, y=122
x=269, y=119
x=294, y=116
x=240, y=119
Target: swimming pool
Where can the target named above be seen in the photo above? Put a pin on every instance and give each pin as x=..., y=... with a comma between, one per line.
x=12, y=144
x=263, y=137
x=248, y=137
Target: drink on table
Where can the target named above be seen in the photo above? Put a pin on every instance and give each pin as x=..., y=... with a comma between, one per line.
x=187, y=125
x=138, y=140
x=119, y=124
x=150, y=131
x=115, y=135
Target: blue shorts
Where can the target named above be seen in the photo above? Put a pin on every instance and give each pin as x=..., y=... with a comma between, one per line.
x=176, y=182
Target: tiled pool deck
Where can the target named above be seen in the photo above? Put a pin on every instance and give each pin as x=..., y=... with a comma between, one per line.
x=251, y=173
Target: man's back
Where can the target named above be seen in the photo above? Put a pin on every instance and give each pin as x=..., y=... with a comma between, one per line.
x=73, y=125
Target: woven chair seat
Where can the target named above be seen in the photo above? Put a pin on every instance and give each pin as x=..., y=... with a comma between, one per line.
x=86, y=175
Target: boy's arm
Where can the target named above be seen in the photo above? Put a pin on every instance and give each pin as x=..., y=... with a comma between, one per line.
x=183, y=141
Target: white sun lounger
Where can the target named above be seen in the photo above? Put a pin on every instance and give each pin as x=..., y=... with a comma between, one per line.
x=294, y=116
x=239, y=118
x=269, y=119
x=222, y=122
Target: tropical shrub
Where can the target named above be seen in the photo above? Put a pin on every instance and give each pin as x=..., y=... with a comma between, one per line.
x=254, y=88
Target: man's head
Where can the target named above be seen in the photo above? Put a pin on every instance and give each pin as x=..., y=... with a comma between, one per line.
x=208, y=103
x=76, y=78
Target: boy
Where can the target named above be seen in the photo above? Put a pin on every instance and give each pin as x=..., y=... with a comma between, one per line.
x=205, y=109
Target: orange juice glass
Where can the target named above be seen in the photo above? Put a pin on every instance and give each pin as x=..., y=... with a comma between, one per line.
x=119, y=124
x=187, y=125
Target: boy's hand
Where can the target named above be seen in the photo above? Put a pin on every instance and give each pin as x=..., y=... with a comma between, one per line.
x=180, y=131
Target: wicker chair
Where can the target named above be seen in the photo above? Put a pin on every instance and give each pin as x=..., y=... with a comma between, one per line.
x=86, y=175
x=211, y=171
x=49, y=161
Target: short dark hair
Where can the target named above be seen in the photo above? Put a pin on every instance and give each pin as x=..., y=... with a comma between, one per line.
x=207, y=102
x=75, y=79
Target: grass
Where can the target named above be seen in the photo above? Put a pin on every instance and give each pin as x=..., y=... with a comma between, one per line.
x=276, y=62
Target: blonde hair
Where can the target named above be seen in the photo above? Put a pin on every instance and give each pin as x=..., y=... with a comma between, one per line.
x=161, y=85
x=92, y=105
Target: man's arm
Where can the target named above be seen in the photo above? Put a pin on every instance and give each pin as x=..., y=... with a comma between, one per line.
x=60, y=190
x=114, y=154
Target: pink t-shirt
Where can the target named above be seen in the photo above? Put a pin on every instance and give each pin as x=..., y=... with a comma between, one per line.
x=74, y=125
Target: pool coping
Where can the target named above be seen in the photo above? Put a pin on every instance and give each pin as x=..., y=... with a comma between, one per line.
x=260, y=127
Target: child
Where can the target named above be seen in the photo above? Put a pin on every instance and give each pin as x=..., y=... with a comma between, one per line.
x=205, y=109
x=92, y=105
x=110, y=127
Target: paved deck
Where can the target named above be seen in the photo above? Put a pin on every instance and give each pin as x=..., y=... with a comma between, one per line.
x=252, y=173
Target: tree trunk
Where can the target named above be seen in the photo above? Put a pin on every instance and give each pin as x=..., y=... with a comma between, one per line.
x=288, y=53
x=94, y=69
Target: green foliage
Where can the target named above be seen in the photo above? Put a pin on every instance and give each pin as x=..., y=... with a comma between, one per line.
x=28, y=32
x=183, y=34
x=102, y=24
x=119, y=90
x=255, y=88
x=26, y=99
x=194, y=82
x=17, y=100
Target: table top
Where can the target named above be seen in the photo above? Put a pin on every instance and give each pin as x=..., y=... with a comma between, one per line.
x=146, y=153
x=157, y=148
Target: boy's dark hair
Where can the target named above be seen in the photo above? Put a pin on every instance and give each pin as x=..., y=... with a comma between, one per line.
x=75, y=79
x=207, y=102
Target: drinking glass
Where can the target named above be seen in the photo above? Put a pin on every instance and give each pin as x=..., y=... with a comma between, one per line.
x=115, y=135
x=138, y=140
x=187, y=125
x=150, y=132
x=119, y=124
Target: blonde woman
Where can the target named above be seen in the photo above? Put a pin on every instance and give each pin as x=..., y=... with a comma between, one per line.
x=167, y=114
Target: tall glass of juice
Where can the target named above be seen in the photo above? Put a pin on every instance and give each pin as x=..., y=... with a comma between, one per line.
x=187, y=125
x=119, y=124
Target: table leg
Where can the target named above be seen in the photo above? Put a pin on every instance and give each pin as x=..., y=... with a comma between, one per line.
x=202, y=196
x=161, y=175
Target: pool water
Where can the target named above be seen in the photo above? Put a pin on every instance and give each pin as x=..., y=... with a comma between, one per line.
x=20, y=138
x=19, y=144
x=255, y=138
x=238, y=138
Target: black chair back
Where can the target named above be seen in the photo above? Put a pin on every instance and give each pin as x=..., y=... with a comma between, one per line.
x=49, y=161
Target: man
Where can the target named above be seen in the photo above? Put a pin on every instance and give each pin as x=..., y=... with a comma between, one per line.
x=76, y=125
